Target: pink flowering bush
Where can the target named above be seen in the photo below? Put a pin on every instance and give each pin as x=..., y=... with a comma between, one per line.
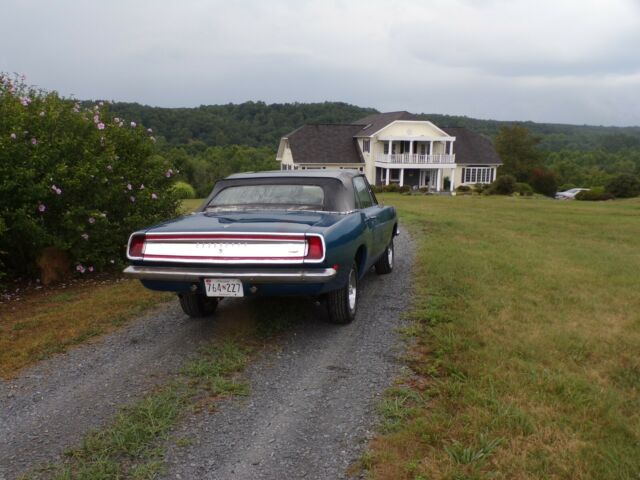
x=65, y=180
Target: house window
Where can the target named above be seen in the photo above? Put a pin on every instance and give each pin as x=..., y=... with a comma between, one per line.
x=365, y=145
x=477, y=175
x=386, y=148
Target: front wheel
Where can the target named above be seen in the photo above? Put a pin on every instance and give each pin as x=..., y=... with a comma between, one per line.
x=342, y=304
x=197, y=305
x=385, y=262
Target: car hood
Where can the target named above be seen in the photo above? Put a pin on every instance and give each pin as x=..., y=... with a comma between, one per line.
x=254, y=222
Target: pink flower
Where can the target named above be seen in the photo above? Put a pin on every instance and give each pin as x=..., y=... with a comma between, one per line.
x=96, y=118
x=129, y=187
x=132, y=198
x=90, y=268
x=56, y=189
x=142, y=186
x=41, y=208
x=168, y=173
x=149, y=130
x=92, y=220
x=133, y=124
x=25, y=101
x=117, y=120
x=80, y=268
x=34, y=141
x=13, y=136
x=109, y=167
x=85, y=236
x=154, y=196
x=101, y=126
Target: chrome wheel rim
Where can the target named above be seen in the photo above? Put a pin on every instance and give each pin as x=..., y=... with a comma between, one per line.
x=390, y=255
x=352, y=290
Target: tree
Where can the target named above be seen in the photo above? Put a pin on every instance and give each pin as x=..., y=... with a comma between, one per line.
x=519, y=152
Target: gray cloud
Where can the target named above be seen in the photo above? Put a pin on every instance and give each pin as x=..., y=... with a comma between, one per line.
x=563, y=61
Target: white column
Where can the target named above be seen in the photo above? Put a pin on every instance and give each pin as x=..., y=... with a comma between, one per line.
x=386, y=182
x=438, y=179
x=402, y=177
x=410, y=147
x=451, y=179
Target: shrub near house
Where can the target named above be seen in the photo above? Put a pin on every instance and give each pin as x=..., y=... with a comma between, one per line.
x=74, y=180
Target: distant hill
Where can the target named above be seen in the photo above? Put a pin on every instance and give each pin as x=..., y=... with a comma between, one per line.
x=258, y=124
x=254, y=124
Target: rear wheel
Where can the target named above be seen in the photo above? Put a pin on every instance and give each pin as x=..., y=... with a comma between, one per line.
x=197, y=305
x=342, y=304
x=385, y=262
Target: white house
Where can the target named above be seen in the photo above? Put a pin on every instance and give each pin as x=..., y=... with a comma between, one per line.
x=394, y=147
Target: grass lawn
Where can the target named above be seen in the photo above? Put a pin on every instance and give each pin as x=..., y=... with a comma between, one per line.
x=49, y=322
x=525, y=342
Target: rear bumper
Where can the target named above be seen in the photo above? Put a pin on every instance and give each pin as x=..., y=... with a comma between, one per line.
x=253, y=276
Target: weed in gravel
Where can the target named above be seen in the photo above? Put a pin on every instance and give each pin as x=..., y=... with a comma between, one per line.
x=132, y=447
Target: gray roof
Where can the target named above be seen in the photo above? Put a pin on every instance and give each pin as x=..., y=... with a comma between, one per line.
x=377, y=121
x=325, y=143
x=471, y=148
x=337, y=143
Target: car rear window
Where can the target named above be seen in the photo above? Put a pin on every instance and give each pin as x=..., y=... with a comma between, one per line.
x=299, y=196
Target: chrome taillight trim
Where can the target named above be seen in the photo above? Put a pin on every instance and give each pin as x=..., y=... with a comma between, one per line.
x=294, y=255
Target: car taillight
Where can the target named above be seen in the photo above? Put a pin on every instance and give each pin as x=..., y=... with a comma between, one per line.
x=136, y=246
x=315, y=250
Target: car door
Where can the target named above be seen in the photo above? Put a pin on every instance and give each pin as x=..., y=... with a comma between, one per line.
x=371, y=213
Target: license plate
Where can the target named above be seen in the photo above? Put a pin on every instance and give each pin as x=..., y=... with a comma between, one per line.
x=223, y=287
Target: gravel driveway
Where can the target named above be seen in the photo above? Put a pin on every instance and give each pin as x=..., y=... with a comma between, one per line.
x=309, y=414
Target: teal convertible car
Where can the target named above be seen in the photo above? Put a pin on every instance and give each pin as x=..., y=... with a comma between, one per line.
x=312, y=232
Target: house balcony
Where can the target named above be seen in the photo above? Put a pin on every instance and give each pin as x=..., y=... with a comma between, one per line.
x=402, y=159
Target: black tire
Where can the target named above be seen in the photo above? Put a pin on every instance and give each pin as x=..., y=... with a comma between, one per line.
x=342, y=304
x=197, y=305
x=384, y=264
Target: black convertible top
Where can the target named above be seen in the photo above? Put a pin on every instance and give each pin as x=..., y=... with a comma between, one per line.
x=337, y=184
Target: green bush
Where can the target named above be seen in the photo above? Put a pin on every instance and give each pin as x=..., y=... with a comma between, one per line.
x=463, y=189
x=524, y=189
x=183, y=190
x=391, y=188
x=544, y=181
x=503, y=185
x=624, y=185
x=595, y=194
x=482, y=188
x=73, y=178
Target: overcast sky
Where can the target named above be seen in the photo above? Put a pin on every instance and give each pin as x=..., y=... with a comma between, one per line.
x=568, y=61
